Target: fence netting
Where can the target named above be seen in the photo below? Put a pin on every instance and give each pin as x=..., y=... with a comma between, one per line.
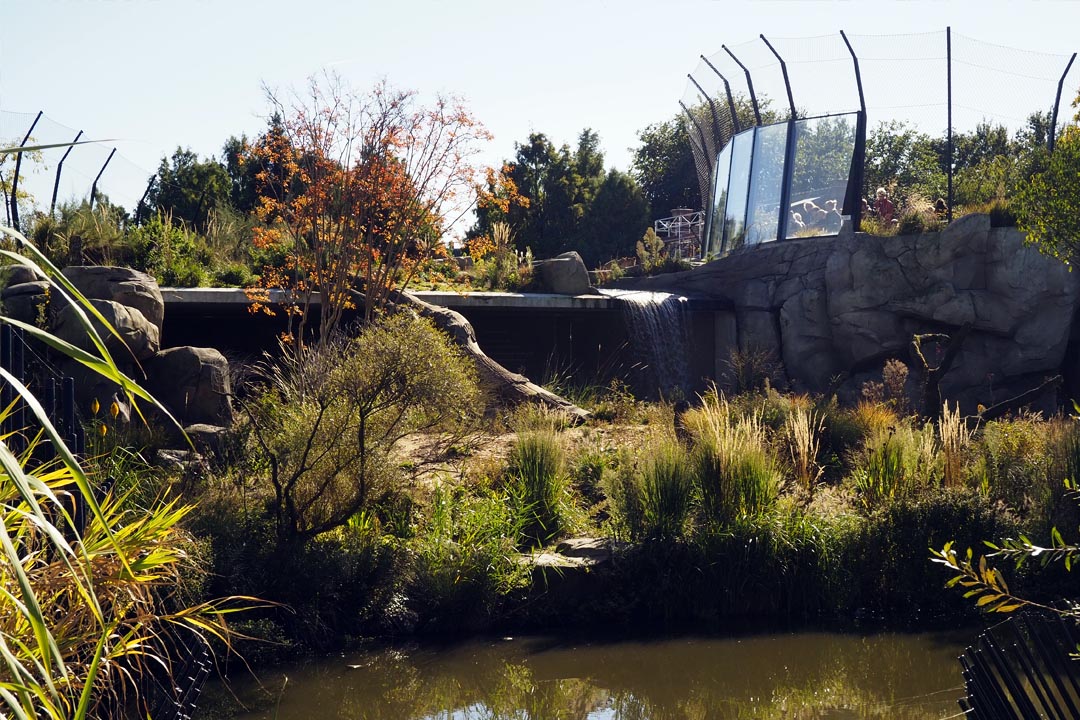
x=905, y=78
x=123, y=182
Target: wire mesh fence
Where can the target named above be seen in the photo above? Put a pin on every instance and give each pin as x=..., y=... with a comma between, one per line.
x=121, y=181
x=920, y=79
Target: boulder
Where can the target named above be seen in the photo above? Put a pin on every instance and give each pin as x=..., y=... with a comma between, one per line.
x=122, y=285
x=139, y=335
x=208, y=439
x=24, y=301
x=564, y=274
x=19, y=274
x=193, y=383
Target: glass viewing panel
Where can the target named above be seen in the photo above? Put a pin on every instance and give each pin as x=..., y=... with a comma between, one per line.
x=766, y=183
x=748, y=184
x=823, y=150
x=742, y=147
x=720, y=193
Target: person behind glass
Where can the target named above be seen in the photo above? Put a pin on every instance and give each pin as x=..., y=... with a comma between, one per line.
x=883, y=206
x=833, y=219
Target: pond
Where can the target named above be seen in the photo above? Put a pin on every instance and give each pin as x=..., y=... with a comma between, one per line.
x=805, y=675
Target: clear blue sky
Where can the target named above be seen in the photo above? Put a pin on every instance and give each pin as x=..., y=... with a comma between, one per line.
x=155, y=74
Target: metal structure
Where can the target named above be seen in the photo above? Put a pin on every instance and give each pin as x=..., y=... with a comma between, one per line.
x=1022, y=669
x=682, y=233
x=924, y=73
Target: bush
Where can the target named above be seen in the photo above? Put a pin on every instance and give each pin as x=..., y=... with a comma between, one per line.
x=465, y=559
x=537, y=483
x=326, y=417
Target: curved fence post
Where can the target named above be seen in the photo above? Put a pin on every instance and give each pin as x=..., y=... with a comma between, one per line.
x=749, y=85
x=730, y=100
x=1057, y=102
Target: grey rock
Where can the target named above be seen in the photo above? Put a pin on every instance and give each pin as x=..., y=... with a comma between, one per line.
x=210, y=439
x=24, y=301
x=564, y=274
x=193, y=383
x=594, y=551
x=138, y=335
x=20, y=274
x=128, y=287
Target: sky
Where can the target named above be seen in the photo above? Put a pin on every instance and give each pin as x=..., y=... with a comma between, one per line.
x=151, y=75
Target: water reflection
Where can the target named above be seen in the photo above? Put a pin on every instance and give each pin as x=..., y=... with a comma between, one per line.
x=802, y=676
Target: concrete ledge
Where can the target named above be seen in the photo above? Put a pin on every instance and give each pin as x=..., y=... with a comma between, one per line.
x=204, y=297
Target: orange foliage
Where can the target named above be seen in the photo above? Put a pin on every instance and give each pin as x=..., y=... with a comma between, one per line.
x=354, y=189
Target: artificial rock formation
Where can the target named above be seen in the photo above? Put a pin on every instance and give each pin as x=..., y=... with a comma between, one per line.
x=125, y=286
x=193, y=383
x=841, y=306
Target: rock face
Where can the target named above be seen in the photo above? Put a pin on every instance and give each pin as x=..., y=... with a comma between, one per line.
x=193, y=383
x=141, y=336
x=25, y=300
x=121, y=285
x=826, y=306
x=564, y=274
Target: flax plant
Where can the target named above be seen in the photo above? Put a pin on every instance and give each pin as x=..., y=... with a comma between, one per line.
x=82, y=603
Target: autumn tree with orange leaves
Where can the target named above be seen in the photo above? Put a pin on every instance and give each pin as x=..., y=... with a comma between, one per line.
x=354, y=193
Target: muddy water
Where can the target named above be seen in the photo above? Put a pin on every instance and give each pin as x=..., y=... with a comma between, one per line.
x=802, y=675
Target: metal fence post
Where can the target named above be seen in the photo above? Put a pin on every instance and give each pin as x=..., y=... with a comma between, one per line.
x=749, y=85
x=730, y=99
x=15, y=177
x=93, y=188
x=858, y=159
x=59, y=168
x=1057, y=102
x=949, y=142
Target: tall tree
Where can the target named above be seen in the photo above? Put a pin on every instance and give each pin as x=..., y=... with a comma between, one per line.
x=355, y=190
x=188, y=188
x=663, y=166
x=617, y=217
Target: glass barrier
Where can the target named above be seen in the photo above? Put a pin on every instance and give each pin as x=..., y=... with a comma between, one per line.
x=766, y=183
x=742, y=147
x=715, y=233
x=748, y=183
x=823, y=150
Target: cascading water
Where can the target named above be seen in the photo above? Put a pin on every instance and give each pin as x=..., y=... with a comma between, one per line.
x=657, y=325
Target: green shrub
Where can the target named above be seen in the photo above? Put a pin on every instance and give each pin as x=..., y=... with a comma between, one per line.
x=913, y=222
x=326, y=419
x=667, y=489
x=1015, y=463
x=465, y=559
x=538, y=485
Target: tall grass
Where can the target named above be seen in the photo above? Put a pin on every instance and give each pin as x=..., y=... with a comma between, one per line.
x=667, y=486
x=804, y=427
x=896, y=464
x=538, y=484
x=955, y=438
x=734, y=468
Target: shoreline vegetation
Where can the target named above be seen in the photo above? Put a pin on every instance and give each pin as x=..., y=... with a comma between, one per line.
x=760, y=505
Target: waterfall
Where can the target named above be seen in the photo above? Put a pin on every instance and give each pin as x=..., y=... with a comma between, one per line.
x=657, y=325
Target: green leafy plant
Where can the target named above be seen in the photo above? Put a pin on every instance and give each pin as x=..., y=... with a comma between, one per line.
x=538, y=485
x=85, y=604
